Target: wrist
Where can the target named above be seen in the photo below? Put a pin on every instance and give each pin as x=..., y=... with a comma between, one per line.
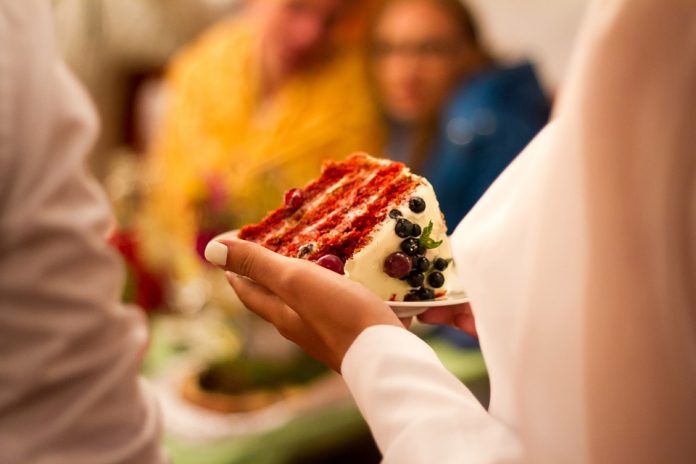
x=366, y=333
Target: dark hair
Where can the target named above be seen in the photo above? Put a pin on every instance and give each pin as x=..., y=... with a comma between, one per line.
x=458, y=11
x=466, y=23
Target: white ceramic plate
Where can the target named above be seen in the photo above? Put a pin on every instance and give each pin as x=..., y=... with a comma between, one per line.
x=414, y=308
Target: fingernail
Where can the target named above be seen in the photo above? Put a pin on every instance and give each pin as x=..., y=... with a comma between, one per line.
x=216, y=253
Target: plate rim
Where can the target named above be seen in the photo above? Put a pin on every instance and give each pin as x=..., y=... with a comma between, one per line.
x=448, y=301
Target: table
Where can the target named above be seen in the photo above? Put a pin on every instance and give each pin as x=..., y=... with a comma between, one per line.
x=318, y=430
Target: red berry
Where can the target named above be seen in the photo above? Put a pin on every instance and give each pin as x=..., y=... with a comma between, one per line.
x=332, y=263
x=397, y=265
x=294, y=199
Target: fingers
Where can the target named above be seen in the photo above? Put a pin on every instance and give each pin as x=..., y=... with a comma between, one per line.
x=466, y=323
x=251, y=260
x=302, y=285
x=458, y=316
x=265, y=304
x=288, y=323
x=443, y=316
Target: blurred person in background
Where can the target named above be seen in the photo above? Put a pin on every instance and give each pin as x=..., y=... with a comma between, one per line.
x=455, y=113
x=254, y=107
x=70, y=351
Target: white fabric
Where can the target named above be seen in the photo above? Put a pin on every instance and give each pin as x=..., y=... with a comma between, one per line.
x=418, y=411
x=580, y=262
x=69, y=353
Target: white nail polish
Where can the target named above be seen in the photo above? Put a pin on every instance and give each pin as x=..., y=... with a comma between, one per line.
x=216, y=253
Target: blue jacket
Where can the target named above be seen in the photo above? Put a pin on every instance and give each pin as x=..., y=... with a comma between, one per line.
x=490, y=119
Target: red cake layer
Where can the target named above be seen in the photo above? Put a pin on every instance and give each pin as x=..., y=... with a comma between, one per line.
x=337, y=212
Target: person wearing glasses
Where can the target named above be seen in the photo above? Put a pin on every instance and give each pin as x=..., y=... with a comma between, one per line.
x=455, y=113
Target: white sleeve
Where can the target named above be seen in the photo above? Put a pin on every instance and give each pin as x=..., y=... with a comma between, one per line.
x=580, y=262
x=70, y=352
x=417, y=410
x=629, y=113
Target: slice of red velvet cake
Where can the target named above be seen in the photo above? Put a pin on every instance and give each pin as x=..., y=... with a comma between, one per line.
x=370, y=219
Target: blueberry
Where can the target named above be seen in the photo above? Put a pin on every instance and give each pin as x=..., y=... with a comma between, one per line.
x=416, y=231
x=421, y=249
x=441, y=264
x=411, y=296
x=416, y=279
x=403, y=228
x=416, y=204
x=395, y=213
x=410, y=246
x=425, y=293
x=422, y=264
x=397, y=265
x=436, y=279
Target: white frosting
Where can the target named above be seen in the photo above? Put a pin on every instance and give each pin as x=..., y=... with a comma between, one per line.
x=366, y=266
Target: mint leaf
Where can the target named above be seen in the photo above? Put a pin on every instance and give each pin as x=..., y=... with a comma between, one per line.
x=425, y=239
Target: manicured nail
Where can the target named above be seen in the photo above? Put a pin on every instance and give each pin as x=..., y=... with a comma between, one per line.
x=216, y=253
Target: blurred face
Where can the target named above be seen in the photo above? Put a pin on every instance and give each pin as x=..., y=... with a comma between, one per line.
x=294, y=32
x=418, y=56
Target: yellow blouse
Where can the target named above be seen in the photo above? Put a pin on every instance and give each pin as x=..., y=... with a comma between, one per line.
x=217, y=145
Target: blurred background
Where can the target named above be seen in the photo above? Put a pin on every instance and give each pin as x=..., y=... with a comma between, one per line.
x=120, y=49
x=211, y=109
